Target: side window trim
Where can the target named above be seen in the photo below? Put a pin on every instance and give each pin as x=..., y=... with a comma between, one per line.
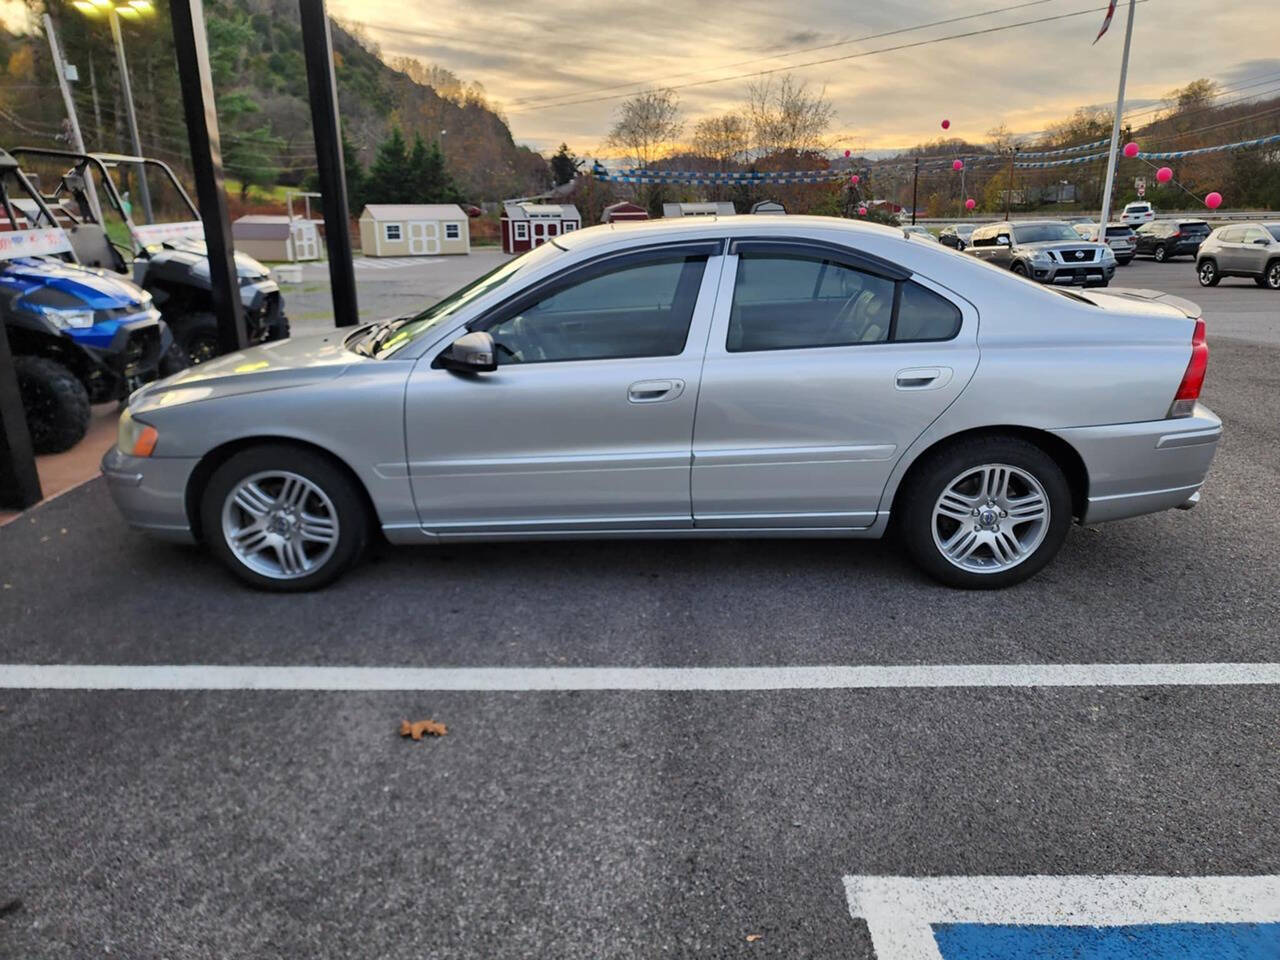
x=846, y=256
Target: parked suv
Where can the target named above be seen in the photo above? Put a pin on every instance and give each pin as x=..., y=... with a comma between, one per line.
x=1165, y=239
x=1138, y=212
x=1048, y=251
x=1120, y=239
x=1241, y=250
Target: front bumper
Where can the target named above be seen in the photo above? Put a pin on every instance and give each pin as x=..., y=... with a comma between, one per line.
x=1137, y=468
x=1061, y=274
x=151, y=492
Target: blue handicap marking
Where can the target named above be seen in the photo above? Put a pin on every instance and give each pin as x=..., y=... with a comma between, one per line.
x=1153, y=941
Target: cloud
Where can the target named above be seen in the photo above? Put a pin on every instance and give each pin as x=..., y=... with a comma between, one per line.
x=535, y=57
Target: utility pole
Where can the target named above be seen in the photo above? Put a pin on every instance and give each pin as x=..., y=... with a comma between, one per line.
x=77, y=141
x=143, y=191
x=1115, y=128
x=1008, y=193
x=915, y=184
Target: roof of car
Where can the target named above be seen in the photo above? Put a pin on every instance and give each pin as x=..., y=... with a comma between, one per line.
x=708, y=227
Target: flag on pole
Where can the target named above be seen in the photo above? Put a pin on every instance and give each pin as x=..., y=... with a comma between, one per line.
x=1106, y=21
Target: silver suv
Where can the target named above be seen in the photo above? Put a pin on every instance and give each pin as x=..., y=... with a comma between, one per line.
x=1047, y=251
x=1241, y=250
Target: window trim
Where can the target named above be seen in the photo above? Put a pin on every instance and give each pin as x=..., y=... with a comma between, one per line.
x=854, y=259
x=457, y=231
x=581, y=272
x=386, y=233
x=521, y=229
x=899, y=284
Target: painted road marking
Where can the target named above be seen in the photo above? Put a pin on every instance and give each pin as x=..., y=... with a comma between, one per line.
x=481, y=679
x=1087, y=917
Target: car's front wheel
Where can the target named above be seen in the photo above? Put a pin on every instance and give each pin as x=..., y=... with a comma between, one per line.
x=1273, y=274
x=283, y=518
x=1208, y=273
x=986, y=513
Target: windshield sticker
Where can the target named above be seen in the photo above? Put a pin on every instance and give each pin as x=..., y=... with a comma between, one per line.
x=149, y=233
x=33, y=243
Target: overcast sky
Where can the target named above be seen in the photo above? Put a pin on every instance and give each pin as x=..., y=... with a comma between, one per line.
x=1027, y=77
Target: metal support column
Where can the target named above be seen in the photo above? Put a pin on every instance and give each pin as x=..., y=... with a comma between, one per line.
x=19, y=481
x=317, y=47
x=77, y=139
x=192, y=49
x=915, y=186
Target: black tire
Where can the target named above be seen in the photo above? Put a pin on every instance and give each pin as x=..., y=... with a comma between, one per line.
x=1019, y=268
x=1272, y=274
x=55, y=402
x=1125, y=262
x=343, y=492
x=197, y=335
x=1161, y=253
x=1261, y=281
x=1207, y=272
x=931, y=477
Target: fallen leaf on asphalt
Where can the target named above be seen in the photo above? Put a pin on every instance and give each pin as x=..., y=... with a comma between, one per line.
x=416, y=730
x=753, y=937
x=10, y=906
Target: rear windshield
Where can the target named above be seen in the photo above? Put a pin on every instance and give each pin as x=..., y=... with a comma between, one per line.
x=1139, y=207
x=1194, y=226
x=1119, y=231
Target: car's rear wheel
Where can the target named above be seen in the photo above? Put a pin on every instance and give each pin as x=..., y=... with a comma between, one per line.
x=986, y=513
x=1208, y=273
x=55, y=402
x=284, y=519
x=1161, y=254
x=1273, y=275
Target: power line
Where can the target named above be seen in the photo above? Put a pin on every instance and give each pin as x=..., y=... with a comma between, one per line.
x=779, y=56
x=849, y=56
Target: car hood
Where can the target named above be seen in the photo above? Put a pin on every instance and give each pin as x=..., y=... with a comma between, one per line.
x=96, y=289
x=1046, y=245
x=277, y=365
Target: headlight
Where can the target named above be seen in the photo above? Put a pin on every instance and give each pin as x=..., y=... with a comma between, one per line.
x=1041, y=256
x=66, y=319
x=135, y=438
x=1108, y=253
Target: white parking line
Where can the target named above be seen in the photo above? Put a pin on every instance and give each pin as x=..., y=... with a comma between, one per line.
x=900, y=911
x=484, y=679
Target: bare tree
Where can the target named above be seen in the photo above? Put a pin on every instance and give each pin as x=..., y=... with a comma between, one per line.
x=646, y=125
x=724, y=139
x=786, y=116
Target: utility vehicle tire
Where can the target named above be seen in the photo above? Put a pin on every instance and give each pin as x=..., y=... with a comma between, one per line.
x=197, y=335
x=284, y=519
x=55, y=402
x=986, y=512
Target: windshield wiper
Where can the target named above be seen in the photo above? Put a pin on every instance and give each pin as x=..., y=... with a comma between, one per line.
x=383, y=334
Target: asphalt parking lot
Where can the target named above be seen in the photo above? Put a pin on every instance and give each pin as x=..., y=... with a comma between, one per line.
x=631, y=821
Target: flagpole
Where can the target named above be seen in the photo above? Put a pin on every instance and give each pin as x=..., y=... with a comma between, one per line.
x=1115, y=131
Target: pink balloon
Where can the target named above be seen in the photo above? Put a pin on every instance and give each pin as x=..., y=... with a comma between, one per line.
x=946, y=124
x=1130, y=149
x=847, y=152
x=1164, y=175
x=970, y=203
x=1213, y=201
x=862, y=211
x=855, y=179
x=957, y=164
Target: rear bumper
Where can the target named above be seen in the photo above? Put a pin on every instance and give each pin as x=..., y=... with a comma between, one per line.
x=151, y=492
x=1137, y=468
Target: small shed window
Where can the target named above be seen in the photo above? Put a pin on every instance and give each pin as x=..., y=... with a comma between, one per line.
x=391, y=231
x=568, y=225
x=451, y=231
x=522, y=231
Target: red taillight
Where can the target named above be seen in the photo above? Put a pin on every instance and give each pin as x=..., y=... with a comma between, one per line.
x=1175, y=235
x=1184, y=402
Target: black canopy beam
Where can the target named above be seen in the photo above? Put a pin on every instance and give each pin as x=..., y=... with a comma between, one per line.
x=317, y=47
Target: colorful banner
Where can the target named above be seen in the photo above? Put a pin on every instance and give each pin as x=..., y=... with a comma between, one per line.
x=33, y=243
x=149, y=233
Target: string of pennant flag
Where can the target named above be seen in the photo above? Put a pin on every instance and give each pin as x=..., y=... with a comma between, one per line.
x=1165, y=155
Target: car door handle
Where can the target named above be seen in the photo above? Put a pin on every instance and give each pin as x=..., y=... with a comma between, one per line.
x=654, y=391
x=922, y=378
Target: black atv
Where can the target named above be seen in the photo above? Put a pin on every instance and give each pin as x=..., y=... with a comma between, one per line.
x=78, y=335
x=170, y=260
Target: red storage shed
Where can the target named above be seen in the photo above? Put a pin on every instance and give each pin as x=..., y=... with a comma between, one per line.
x=623, y=211
x=526, y=225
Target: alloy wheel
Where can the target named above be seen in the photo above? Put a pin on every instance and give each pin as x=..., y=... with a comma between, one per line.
x=280, y=524
x=1273, y=276
x=1207, y=272
x=990, y=518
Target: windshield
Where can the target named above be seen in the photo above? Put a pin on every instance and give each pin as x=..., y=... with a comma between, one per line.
x=1044, y=233
x=1274, y=229
x=411, y=328
x=965, y=229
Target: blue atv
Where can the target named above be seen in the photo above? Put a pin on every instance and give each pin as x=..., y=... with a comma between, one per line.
x=78, y=335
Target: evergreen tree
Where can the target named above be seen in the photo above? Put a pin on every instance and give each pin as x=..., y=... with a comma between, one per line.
x=430, y=180
x=356, y=177
x=389, y=177
x=564, y=165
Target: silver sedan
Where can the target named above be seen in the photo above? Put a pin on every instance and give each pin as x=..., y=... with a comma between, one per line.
x=743, y=377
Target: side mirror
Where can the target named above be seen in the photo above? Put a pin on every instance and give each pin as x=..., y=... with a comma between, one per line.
x=1262, y=242
x=470, y=353
x=1003, y=239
